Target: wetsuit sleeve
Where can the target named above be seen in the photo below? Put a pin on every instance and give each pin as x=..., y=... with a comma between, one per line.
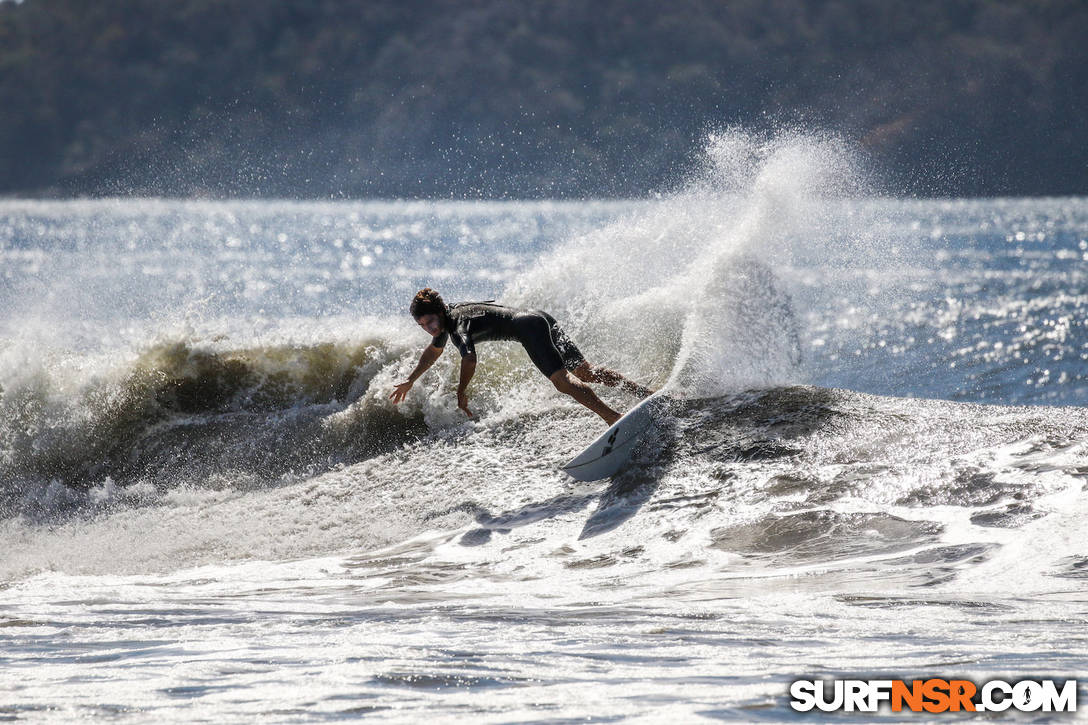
x=462, y=337
x=439, y=341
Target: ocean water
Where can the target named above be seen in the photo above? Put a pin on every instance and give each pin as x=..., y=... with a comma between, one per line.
x=874, y=462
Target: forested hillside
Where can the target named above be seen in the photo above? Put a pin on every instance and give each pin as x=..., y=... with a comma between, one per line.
x=556, y=98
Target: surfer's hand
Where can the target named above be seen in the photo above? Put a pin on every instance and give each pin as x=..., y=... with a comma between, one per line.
x=462, y=403
x=401, y=392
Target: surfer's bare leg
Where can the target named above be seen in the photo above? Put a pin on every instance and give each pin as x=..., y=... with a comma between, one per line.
x=611, y=378
x=564, y=382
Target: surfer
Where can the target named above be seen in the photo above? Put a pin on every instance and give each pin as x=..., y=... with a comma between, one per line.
x=549, y=347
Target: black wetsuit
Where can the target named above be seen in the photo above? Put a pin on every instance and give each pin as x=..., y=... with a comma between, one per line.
x=548, y=346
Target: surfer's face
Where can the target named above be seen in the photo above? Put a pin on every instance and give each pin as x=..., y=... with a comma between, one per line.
x=431, y=323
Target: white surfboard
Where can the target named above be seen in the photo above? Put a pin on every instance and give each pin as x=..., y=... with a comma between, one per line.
x=606, y=455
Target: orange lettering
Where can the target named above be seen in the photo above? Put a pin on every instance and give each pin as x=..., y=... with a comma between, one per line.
x=937, y=692
x=912, y=695
x=961, y=693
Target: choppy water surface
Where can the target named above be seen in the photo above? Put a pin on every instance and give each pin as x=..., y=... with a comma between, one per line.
x=874, y=462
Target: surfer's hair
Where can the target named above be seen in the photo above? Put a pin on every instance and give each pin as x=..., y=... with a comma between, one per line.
x=427, y=302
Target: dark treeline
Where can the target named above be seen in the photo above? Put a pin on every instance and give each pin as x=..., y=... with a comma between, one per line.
x=556, y=98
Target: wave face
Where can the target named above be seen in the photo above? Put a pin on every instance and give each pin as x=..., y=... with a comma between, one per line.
x=876, y=407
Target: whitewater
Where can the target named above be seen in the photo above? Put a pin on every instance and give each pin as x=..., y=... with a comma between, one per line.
x=873, y=464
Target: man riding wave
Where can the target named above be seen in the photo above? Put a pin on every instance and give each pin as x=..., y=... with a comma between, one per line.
x=548, y=346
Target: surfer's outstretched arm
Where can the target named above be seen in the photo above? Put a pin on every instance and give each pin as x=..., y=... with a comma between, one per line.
x=468, y=369
x=426, y=360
